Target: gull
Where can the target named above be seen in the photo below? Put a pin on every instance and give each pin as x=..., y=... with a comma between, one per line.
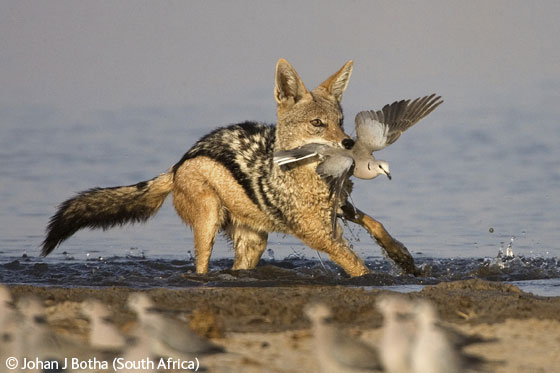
x=439, y=349
x=398, y=333
x=9, y=328
x=39, y=341
x=336, y=351
x=140, y=350
x=432, y=351
x=103, y=334
x=168, y=337
x=375, y=130
x=401, y=319
x=6, y=312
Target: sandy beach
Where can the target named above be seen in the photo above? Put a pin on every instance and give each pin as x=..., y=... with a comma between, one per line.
x=264, y=330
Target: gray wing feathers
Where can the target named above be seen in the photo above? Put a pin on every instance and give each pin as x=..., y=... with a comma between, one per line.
x=371, y=130
x=336, y=188
x=401, y=115
x=283, y=157
x=335, y=170
x=335, y=166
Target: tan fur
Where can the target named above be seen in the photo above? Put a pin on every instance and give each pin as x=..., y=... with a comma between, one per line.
x=206, y=195
x=204, y=192
x=228, y=182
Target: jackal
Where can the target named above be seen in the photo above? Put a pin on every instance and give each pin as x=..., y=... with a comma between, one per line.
x=228, y=182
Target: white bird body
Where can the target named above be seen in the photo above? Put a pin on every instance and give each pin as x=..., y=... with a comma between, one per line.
x=169, y=337
x=10, y=344
x=336, y=162
x=433, y=352
x=5, y=299
x=375, y=130
x=399, y=332
x=40, y=342
x=139, y=351
x=336, y=351
x=102, y=335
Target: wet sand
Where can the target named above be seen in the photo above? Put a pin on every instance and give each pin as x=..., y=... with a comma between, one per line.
x=264, y=329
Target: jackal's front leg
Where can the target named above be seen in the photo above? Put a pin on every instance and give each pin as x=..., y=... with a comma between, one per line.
x=394, y=249
x=337, y=249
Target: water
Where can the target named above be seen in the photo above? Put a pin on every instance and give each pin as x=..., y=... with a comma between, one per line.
x=537, y=275
x=543, y=287
x=464, y=184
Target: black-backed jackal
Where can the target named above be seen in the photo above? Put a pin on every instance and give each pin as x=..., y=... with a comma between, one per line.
x=228, y=182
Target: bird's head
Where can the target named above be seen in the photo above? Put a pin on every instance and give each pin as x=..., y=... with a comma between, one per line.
x=317, y=312
x=139, y=302
x=380, y=167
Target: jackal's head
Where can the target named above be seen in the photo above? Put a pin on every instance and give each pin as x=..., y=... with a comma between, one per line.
x=309, y=116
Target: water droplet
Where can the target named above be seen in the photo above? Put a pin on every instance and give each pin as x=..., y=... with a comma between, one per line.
x=509, y=249
x=270, y=254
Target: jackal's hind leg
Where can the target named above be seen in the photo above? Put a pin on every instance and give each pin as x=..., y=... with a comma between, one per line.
x=394, y=249
x=249, y=245
x=202, y=211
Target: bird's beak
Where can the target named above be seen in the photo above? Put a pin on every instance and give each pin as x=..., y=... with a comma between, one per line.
x=388, y=175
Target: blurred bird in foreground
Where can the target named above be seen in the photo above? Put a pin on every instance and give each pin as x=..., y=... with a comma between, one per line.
x=168, y=337
x=336, y=351
x=437, y=349
x=40, y=342
x=399, y=332
x=103, y=334
x=9, y=328
x=7, y=313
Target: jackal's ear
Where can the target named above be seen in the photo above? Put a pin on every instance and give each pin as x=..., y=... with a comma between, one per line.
x=337, y=83
x=287, y=83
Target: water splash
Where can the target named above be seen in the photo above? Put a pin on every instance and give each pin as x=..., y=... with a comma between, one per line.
x=296, y=254
x=134, y=252
x=270, y=254
x=504, y=257
x=295, y=269
x=509, y=249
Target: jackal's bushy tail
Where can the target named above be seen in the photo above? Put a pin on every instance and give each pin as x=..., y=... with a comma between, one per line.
x=107, y=207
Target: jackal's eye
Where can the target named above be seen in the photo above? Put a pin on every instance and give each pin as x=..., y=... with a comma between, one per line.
x=317, y=123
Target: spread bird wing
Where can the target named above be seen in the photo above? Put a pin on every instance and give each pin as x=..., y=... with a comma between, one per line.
x=378, y=129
